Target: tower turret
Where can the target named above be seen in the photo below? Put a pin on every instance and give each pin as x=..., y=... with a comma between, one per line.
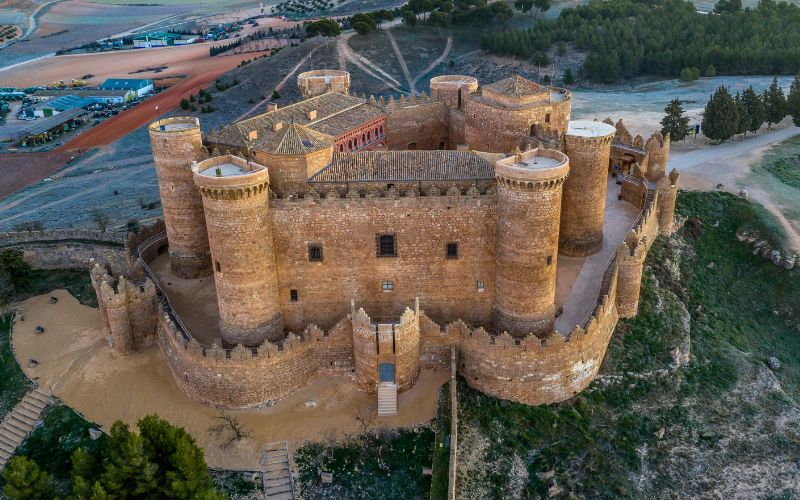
x=236, y=203
x=451, y=89
x=657, y=156
x=176, y=143
x=588, y=145
x=529, y=189
x=667, y=194
x=318, y=81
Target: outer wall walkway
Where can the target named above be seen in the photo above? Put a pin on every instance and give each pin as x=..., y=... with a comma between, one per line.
x=578, y=278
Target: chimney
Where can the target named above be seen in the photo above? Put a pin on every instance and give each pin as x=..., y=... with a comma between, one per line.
x=252, y=135
x=312, y=115
x=277, y=126
x=271, y=106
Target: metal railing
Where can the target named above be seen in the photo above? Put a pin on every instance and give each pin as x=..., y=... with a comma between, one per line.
x=158, y=239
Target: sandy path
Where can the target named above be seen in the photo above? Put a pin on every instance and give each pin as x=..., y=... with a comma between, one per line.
x=729, y=164
x=402, y=61
x=76, y=363
x=367, y=66
x=437, y=61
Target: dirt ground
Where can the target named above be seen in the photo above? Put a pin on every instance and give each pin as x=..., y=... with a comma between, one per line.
x=18, y=170
x=76, y=363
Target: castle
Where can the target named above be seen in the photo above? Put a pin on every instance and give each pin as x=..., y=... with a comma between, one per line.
x=370, y=237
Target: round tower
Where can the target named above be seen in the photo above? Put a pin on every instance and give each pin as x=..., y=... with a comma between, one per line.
x=236, y=203
x=529, y=189
x=630, y=263
x=319, y=81
x=451, y=89
x=176, y=143
x=667, y=188
x=588, y=145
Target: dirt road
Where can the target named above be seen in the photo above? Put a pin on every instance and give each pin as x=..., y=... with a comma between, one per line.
x=730, y=165
x=125, y=123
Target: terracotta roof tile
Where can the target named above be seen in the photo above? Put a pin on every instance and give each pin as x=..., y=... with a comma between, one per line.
x=335, y=114
x=516, y=86
x=396, y=166
x=296, y=139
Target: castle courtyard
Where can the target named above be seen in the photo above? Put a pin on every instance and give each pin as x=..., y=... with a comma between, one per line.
x=75, y=363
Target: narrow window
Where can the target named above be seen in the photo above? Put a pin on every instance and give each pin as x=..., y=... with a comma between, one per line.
x=412, y=146
x=547, y=118
x=387, y=286
x=293, y=295
x=480, y=286
x=452, y=250
x=549, y=260
x=386, y=245
x=441, y=145
x=218, y=267
x=315, y=253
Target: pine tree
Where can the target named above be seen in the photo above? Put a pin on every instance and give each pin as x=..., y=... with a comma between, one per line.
x=793, y=102
x=774, y=103
x=720, y=117
x=755, y=115
x=741, y=111
x=569, y=78
x=675, y=123
x=26, y=481
x=128, y=472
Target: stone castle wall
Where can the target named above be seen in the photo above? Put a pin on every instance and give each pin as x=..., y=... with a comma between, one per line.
x=127, y=309
x=418, y=123
x=347, y=229
x=502, y=130
x=245, y=377
x=68, y=248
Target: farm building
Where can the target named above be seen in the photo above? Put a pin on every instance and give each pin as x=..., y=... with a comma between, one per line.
x=61, y=104
x=161, y=39
x=137, y=85
x=45, y=130
x=99, y=95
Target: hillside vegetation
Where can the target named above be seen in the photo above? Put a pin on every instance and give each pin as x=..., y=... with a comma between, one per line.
x=651, y=425
x=625, y=38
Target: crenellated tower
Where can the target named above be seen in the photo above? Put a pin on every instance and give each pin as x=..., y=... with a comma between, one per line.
x=657, y=156
x=176, y=143
x=235, y=196
x=315, y=82
x=529, y=187
x=588, y=145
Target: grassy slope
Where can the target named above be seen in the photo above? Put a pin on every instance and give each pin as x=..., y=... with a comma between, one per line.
x=13, y=383
x=727, y=422
x=382, y=464
x=787, y=170
x=441, y=446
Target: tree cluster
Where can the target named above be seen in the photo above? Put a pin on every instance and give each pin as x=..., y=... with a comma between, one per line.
x=324, y=27
x=726, y=115
x=161, y=461
x=219, y=49
x=627, y=38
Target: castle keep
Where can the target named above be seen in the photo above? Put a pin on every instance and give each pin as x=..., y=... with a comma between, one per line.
x=369, y=237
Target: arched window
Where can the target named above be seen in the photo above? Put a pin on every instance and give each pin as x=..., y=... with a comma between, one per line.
x=341, y=148
x=381, y=129
x=350, y=144
x=369, y=135
x=533, y=130
x=363, y=138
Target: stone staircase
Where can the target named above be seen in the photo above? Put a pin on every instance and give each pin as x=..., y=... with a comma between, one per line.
x=276, y=471
x=387, y=399
x=20, y=422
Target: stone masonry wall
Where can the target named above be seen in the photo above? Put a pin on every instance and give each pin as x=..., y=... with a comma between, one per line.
x=347, y=229
x=500, y=130
x=417, y=123
x=245, y=377
x=68, y=248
